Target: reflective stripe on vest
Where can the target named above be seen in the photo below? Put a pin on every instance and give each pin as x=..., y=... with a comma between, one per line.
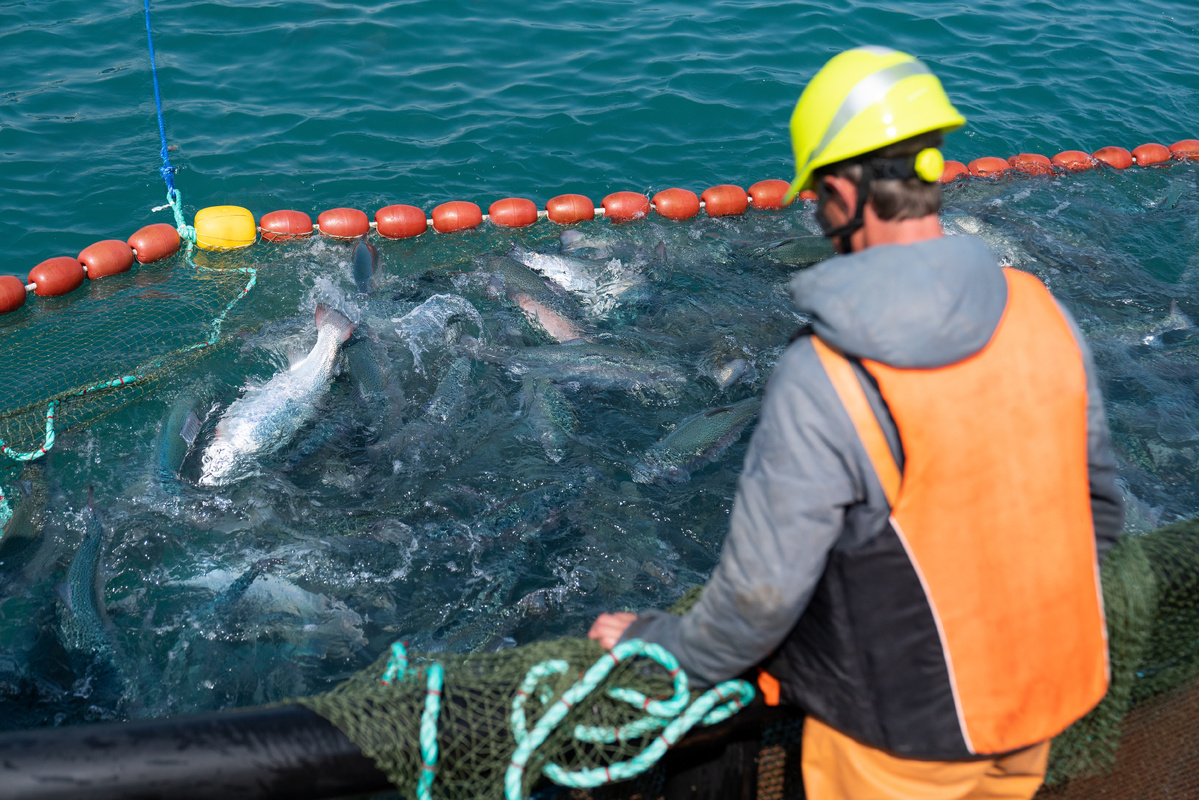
x=994, y=513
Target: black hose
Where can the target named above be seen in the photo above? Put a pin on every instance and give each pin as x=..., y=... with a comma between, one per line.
x=261, y=753
x=280, y=752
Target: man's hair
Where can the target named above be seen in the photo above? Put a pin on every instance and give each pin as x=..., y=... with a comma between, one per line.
x=910, y=198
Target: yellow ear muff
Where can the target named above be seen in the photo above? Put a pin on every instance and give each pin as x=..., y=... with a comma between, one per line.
x=930, y=164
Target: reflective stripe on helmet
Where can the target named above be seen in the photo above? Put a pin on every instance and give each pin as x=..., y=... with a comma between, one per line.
x=865, y=93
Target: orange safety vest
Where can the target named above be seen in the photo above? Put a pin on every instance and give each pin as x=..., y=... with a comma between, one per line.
x=992, y=515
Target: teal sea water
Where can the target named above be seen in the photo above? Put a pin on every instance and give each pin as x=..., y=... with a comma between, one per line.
x=311, y=105
x=465, y=483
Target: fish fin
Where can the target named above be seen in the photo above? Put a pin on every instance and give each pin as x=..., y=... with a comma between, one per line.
x=711, y=412
x=63, y=590
x=190, y=429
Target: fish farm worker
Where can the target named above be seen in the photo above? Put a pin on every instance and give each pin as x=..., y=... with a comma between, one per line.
x=912, y=555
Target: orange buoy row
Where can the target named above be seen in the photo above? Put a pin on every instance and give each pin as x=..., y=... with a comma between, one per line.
x=63, y=274
x=406, y=221
x=1146, y=155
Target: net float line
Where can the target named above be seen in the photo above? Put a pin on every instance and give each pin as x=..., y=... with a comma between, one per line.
x=407, y=221
x=234, y=227
x=1146, y=155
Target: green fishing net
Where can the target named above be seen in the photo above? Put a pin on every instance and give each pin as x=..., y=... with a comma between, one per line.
x=107, y=344
x=475, y=736
x=1151, y=594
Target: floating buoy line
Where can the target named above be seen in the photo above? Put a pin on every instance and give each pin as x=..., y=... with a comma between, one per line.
x=234, y=227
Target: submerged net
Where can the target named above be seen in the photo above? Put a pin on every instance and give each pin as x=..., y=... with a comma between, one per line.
x=107, y=344
x=1151, y=594
x=464, y=507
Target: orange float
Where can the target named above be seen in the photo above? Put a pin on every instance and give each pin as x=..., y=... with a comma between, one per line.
x=953, y=170
x=12, y=293
x=724, y=200
x=456, y=215
x=989, y=167
x=109, y=257
x=808, y=194
x=154, y=242
x=279, y=226
x=343, y=223
x=1073, y=160
x=567, y=209
x=625, y=206
x=1186, y=150
x=769, y=193
x=1114, y=157
x=676, y=203
x=513, y=212
x=400, y=222
x=1031, y=164
x=1152, y=153
x=56, y=276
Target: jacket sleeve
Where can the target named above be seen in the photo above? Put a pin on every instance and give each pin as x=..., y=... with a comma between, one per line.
x=1107, y=503
x=793, y=502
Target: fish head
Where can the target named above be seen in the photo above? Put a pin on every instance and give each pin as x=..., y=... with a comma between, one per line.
x=222, y=463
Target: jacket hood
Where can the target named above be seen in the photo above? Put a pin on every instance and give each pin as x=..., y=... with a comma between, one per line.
x=922, y=305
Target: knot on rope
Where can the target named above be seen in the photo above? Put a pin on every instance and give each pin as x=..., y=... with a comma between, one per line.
x=674, y=715
x=175, y=202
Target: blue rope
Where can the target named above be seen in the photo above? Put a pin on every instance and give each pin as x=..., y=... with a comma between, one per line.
x=166, y=170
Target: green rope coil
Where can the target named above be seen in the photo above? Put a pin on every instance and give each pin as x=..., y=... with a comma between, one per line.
x=428, y=733
x=554, y=666
x=397, y=665
x=714, y=705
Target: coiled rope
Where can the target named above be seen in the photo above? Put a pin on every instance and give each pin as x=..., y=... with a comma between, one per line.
x=675, y=716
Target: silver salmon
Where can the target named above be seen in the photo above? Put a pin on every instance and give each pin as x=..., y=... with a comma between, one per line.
x=267, y=417
x=698, y=440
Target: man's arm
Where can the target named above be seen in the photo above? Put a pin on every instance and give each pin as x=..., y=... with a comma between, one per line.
x=803, y=469
x=1107, y=504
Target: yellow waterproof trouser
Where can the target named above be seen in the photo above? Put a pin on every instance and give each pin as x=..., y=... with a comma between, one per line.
x=836, y=767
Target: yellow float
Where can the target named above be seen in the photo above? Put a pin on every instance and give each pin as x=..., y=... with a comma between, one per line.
x=225, y=228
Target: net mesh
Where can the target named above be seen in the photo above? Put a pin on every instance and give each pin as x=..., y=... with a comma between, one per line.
x=1145, y=729
x=129, y=331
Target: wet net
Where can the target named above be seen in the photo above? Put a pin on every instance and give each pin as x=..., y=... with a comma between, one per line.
x=109, y=343
x=481, y=494
x=1151, y=591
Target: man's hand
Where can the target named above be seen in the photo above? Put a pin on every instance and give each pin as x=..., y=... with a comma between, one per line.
x=608, y=628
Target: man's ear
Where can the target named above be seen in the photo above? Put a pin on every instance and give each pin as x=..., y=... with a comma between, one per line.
x=842, y=190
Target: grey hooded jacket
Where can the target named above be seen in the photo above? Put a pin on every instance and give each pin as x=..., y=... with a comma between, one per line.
x=807, y=485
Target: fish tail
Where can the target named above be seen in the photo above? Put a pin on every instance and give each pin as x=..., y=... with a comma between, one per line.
x=331, y=317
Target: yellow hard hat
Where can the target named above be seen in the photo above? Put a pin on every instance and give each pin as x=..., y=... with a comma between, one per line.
x=861, y=100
